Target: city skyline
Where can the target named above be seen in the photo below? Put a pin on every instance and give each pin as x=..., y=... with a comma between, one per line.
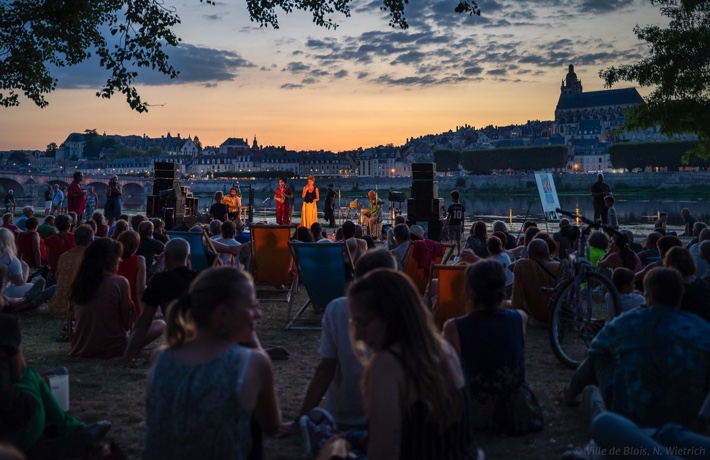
x=362, y=85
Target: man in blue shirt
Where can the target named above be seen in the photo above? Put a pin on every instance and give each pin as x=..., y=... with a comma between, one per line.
x=57, y=199
x=651, y=364
x=689, y=220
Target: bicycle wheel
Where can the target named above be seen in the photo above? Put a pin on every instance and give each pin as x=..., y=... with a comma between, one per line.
x=579, y=312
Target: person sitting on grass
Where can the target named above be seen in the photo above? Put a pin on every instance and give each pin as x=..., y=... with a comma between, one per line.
x=58, y=244
x=205, y=388
x=503, y=402
x=629, y=298
x=339, y=373
x=696, y=298
x=621, y=255
x=477, y=239
x=101, y=303
x=67, y=268
x=30, y=246
x=651, y=364
x=664, y=244
x=31, y=418
x=531, y=274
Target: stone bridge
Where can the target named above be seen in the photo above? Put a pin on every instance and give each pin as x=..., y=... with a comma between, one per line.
x=29, y=187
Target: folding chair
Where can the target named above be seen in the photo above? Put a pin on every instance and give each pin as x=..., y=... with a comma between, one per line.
x=451, y=300
x=271, y=259
x=198, y=255
x=323, y=268
x=419, y=272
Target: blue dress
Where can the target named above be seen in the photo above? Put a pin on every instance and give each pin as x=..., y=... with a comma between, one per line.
x=493, y=361
x=112, y=208
x=193, y=412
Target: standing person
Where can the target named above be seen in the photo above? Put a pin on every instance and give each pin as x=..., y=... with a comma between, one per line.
x=57, y=199
x=206, y=380
x=65, y=200
x=77, y=197
x=48, y=200
x=329, y=206
x=611, y=216
x=233, y=202
x=454, y=220
x=413, y=387
x=309, y=210
x=599, y=190
x=92, y=202
x=219, y=210
x=283, y=196
x=10, y=204
x=112, y=208
x=374, y=209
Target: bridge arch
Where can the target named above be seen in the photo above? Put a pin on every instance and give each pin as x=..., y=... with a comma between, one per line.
x=8, y=184
x=133, y=195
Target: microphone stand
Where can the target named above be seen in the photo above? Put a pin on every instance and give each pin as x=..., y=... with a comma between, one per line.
x=265, y=201
x=340, y=212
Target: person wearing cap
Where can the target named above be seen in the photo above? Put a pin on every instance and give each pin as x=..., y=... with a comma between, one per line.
x=309, y=211
x=329, y=207
x=283, y=196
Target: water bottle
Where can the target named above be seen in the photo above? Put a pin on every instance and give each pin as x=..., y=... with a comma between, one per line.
x=58, y=379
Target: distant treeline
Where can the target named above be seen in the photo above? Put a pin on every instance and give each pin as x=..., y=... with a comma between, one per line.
x=639, y=155
x=486, y=161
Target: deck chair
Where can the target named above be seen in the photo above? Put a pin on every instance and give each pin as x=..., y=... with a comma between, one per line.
x=420, y=273
x=323, y=268
x=271, y=259
x=451, y=300
x=198, y=255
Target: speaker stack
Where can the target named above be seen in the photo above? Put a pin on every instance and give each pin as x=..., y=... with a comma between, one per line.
x=424, y=203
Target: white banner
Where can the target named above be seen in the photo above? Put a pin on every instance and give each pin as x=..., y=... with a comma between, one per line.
x=548, y=195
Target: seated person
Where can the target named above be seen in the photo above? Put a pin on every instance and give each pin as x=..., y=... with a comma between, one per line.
x=650, y=252
x=30, y=246
x=357, y=246
x=339, y=372
x=402, y=243
x=31, y=418
x=651, y=364
x=598, y=247
x=101, y=303
x=621, y=255
x=477, y=239
x=503, y=402
x=531, y=274
x=664, y=244
x=629, y=298
x=696, y=298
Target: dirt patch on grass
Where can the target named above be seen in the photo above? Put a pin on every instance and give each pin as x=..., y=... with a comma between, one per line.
x=117, y=394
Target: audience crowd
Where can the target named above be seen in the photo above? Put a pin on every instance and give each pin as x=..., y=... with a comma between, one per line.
x=395, y=382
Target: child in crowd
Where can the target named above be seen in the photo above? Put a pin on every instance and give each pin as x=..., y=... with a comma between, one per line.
x=611, y=212
x=454, y=220
x=623, y=280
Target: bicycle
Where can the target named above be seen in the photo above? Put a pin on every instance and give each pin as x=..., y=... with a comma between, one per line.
x=584, y=300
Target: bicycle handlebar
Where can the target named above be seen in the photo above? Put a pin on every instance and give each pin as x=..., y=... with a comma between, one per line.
x=595, y=225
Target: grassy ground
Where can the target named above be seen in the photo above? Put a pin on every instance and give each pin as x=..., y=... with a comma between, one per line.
x=117, y=394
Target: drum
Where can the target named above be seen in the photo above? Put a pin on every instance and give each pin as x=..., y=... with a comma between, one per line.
x=354, y=205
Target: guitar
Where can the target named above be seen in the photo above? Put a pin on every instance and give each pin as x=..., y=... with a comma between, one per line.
x=285, y=194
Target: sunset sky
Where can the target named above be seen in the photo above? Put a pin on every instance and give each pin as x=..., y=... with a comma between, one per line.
x=362, y=85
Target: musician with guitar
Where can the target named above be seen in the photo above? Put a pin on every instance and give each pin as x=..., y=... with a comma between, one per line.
x=283, y=196
x=233, y=202
x=374, y=214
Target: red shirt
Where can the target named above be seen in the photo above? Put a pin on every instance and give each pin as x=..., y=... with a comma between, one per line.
x=58, y=244
x=24, y=247
x=77, y=199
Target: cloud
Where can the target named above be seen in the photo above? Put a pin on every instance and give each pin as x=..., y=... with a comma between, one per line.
x=342, y=73
x=291, y=86
x=296, y=67
x=200, y=65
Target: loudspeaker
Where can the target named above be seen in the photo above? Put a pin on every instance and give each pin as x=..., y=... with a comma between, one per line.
x=424, y=190
x=423, y=171
x=425, y=209
x=165, y=170
x=162, y=184
x=151, y=209
x=169, y=218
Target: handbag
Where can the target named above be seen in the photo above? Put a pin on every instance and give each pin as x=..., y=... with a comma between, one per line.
x=526, y=411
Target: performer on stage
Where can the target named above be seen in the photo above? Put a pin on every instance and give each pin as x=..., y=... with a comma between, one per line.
x=233, y=202
x=329, y=207
x=309, y=211
x=374, y=208
x=283, y=197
